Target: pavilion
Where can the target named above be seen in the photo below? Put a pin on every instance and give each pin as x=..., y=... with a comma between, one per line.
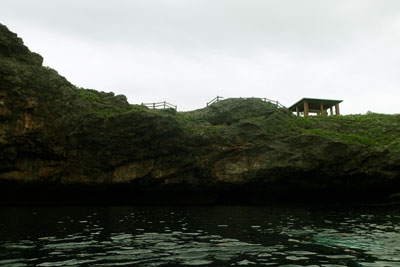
x=315, y=105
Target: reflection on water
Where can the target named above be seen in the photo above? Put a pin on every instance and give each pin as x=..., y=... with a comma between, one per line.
x=362, y=235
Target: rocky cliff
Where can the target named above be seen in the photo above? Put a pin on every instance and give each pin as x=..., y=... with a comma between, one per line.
x=61, y=142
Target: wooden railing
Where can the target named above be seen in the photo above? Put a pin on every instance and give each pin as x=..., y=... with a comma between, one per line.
x=218, y=98
x=165, y=105
x=274, y=102
x=215, y=100
x=160, y=105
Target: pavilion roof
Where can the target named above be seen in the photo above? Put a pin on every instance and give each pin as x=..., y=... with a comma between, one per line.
x=314, y=104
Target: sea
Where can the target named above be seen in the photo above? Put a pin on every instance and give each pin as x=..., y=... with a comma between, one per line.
x=329, y=235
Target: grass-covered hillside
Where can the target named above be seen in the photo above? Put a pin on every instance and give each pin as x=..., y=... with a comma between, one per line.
x=379, y=130
x=265, y=118
x=254, y=116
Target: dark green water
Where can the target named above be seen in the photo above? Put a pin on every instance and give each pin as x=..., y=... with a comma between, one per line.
x=331, y=235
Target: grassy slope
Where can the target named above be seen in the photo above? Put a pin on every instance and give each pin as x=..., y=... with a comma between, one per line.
x=375, y=130
x=378, y=130
x=241, y=116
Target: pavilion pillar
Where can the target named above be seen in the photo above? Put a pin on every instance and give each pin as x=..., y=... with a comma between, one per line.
x=331, y=109
x=321, y=109
x=305, y=108
x=297, y=111
x=337, y=109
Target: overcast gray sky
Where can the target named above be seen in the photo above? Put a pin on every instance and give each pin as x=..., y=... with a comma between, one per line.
x=189, y=51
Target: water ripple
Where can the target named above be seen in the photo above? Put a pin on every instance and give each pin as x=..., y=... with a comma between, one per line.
x=212, y=237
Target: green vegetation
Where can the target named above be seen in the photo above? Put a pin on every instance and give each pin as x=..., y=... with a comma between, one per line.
x=88, y=94
x=252, y=118
x=255, y=118
x=371, y=129
x=106, y=104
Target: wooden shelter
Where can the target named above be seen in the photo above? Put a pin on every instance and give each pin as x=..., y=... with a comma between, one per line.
x=315, y=105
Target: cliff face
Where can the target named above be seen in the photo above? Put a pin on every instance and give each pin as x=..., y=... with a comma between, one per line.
x=55, y=134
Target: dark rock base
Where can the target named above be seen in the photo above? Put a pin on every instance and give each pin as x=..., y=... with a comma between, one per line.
x=54, y=194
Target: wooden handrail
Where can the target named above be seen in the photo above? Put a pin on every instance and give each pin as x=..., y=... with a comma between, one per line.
x=165, y=105
x=161, y=105
x=217, y=99
x=275, y=102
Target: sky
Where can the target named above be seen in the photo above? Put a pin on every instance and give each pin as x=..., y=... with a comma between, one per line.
x=187, y=52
